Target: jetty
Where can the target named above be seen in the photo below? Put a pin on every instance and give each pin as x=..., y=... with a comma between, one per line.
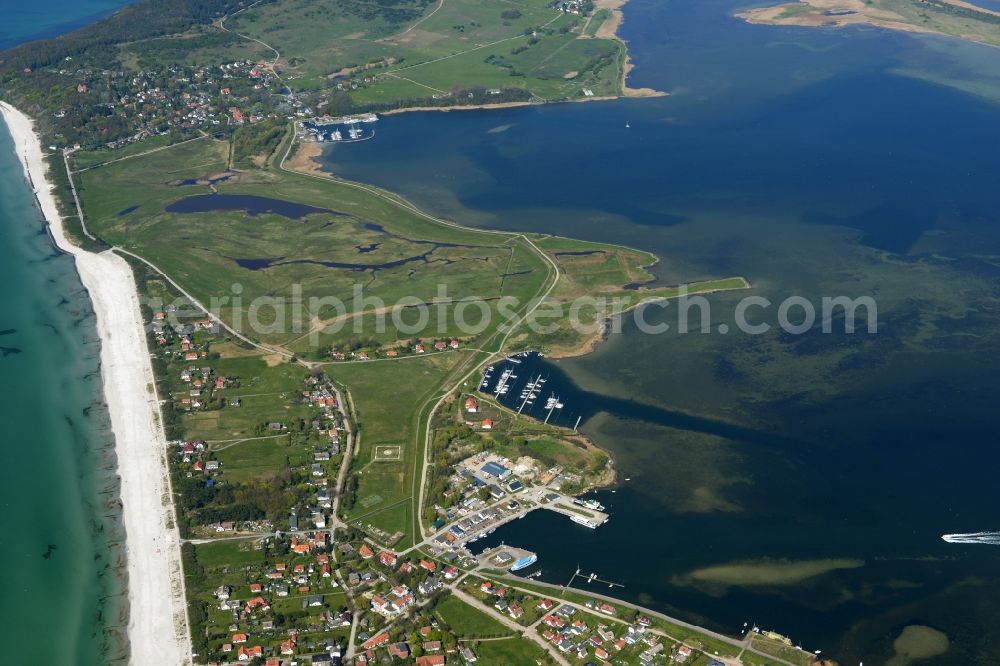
x=508, y=558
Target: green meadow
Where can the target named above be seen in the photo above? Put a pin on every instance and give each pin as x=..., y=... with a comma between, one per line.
x=423, y=49
x=511, y=652
x=467, y=622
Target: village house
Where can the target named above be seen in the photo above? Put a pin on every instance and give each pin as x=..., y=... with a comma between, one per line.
x=431, y=659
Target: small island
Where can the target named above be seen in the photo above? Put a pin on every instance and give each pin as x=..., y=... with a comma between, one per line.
x=955, y=18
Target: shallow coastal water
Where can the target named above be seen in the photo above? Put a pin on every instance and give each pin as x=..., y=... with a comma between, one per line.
x=47, y=18
x=61, y=542
x=799, y=482
x=61, y=538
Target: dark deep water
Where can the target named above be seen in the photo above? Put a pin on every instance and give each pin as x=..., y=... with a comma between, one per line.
x=250, y=204
x=815, y=163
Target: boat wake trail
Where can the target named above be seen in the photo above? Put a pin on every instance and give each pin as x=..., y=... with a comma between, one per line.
x=988, y=538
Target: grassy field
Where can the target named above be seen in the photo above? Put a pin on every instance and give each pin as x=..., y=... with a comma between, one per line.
x=419, y=48
x=512, y=652
x=466, y=621
x=387, y=396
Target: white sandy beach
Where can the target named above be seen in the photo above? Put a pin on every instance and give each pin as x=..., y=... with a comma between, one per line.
x=157, y=630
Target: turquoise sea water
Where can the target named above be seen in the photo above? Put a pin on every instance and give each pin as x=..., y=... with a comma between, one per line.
x=815, y=163
x=60, y=536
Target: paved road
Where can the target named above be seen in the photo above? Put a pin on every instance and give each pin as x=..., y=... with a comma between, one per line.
x=743, y=644
x=345, y=466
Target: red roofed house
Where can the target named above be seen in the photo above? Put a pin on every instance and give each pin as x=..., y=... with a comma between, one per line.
x=427, y=564
x=487, y=424
x=257, y=602
x=387, y=558
x=365, y=552
x=431, y=660
x=606, y=608
x=246, y=654
x=401, y=650
x=471, y=405
x=376, y=640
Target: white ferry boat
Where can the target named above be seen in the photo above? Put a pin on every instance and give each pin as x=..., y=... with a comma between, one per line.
x=586, y=522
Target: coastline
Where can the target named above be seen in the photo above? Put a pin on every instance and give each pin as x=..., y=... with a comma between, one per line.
x=817, y=14
x=157, y=626
x=486, y=107
x=608, y=30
